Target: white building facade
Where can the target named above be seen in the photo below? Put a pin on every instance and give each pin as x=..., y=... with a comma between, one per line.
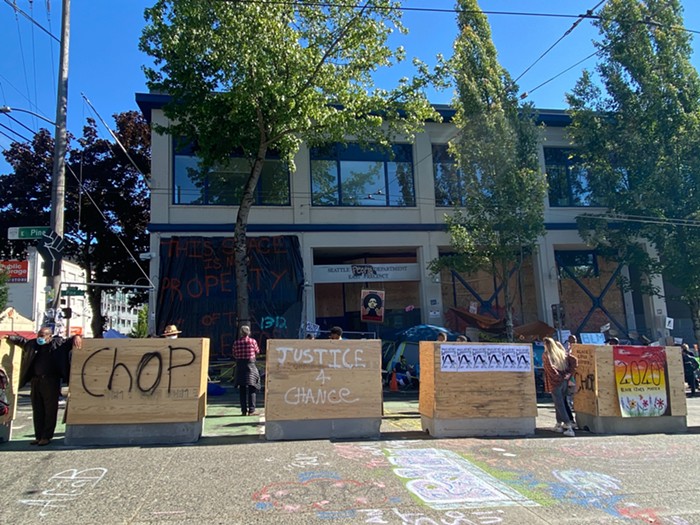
x=364, y=220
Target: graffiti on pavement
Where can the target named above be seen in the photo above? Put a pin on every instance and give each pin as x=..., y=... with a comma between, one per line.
x=443, y=479
x=66, y=486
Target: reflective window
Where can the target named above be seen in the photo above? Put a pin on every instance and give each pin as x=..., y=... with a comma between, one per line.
x=567, y=178
x=349, y=175
x=224, y=184
x=450, y=183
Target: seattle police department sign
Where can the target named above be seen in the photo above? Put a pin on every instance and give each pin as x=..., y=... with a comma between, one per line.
x=344, y=273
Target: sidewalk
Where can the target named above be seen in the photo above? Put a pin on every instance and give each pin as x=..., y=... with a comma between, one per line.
x=401, y=418
x=234, y=476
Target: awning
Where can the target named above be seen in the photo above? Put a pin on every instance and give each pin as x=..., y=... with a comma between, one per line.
x=460, y=319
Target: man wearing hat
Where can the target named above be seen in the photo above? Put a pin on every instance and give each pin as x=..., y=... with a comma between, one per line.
x=171, y=332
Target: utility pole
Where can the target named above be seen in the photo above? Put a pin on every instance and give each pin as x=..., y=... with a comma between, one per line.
x=58, y=181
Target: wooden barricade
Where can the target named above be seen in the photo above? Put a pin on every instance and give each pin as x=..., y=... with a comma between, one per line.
x=477, y=389
x=323, y=388
x=118, y=386
x=597, y=403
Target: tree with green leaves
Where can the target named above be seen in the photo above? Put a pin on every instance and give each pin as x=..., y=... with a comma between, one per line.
x=107, y=201
x=265, y=77
x=4, y=290
x=496, y=152
x=140, y=330
x=636, y=124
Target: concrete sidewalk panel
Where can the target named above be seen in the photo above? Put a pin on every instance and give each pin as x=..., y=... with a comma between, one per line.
x=349, y=428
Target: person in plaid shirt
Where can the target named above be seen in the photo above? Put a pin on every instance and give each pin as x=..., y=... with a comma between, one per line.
x=245, y=350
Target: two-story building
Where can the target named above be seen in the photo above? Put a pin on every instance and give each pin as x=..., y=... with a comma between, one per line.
x=351, y=220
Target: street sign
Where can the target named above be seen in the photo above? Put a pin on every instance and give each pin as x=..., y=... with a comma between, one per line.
x=72, y=291
x=27, y=232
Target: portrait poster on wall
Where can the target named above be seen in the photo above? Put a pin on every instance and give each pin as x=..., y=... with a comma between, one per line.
x=372, y=306
x=641, y=379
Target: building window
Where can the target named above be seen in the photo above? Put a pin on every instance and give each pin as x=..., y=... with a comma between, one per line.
x=349, y=175
x=450, y=182
x=582, y=264
x=223, y=185
x=567, y=178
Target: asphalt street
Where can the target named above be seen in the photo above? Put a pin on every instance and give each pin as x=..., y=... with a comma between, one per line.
x=233, y=475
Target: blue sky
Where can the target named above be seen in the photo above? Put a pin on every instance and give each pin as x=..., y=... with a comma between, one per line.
x=105, y=63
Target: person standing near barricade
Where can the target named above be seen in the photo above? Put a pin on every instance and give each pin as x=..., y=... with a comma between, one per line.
x=558, y=369
x=45, y=362
x=245, y=351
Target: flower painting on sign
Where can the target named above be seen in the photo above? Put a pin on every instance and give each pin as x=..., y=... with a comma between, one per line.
x=641, y=379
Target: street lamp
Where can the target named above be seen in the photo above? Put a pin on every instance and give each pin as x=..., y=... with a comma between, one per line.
x=8, y=109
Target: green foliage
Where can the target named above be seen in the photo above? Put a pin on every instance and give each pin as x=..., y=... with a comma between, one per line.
x=636, y=119
x=496, y=150
x=4, y=289
x=107, y=200
x=268, y=76
x=141, y=328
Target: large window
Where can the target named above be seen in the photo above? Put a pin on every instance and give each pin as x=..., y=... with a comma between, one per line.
x=450, y=183
x=349, y=175
x=223, y=185
x=568, y=180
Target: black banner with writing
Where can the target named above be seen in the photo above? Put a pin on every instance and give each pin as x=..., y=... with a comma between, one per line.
x=197, y=288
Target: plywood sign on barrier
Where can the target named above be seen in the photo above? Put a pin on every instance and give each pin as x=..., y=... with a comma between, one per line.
x=596, y=389
x=323, y=379
x=476, y=380
x=585, y=399
x=118, y=381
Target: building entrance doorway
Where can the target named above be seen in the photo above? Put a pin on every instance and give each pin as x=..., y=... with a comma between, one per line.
x=340, y=302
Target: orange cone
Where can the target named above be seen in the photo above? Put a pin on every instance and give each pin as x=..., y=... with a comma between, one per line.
x=393, y=384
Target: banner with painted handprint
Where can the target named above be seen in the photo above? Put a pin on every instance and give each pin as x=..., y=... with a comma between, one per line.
x=641, y=378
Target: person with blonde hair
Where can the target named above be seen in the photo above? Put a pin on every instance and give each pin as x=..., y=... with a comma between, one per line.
x=558, y=369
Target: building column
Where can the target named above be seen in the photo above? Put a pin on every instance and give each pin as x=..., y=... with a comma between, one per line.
x=546, y=280
x=430, y=286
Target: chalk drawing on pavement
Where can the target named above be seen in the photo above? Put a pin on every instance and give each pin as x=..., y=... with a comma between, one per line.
x=65, y=487
x=322, y=495
x=450, y=517
x=443, y=479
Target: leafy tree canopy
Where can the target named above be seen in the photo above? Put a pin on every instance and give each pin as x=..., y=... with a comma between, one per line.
x=636, y=120
x=266, y=76
x=107, y=200
x=496, y=151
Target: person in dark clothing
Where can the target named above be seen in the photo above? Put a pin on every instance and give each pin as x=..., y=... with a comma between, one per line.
x=690, y=366
x=45, y=362
x=404, y=372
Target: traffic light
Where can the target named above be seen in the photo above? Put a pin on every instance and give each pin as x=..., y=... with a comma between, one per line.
x=67, y=313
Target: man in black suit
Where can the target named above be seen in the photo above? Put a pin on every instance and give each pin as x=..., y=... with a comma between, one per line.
x=45, y=363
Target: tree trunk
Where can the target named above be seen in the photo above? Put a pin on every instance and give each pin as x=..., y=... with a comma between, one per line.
x=240, y=237
x=508, y=314
x=97, y=323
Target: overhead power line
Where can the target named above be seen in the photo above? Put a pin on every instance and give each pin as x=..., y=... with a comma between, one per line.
x=581, y=18
x=28, y=17
x=114, y=136
x=404, y=8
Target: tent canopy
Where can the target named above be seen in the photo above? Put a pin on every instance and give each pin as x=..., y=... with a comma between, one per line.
x=113, y=334
x=425, y=332
x=461, y=319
